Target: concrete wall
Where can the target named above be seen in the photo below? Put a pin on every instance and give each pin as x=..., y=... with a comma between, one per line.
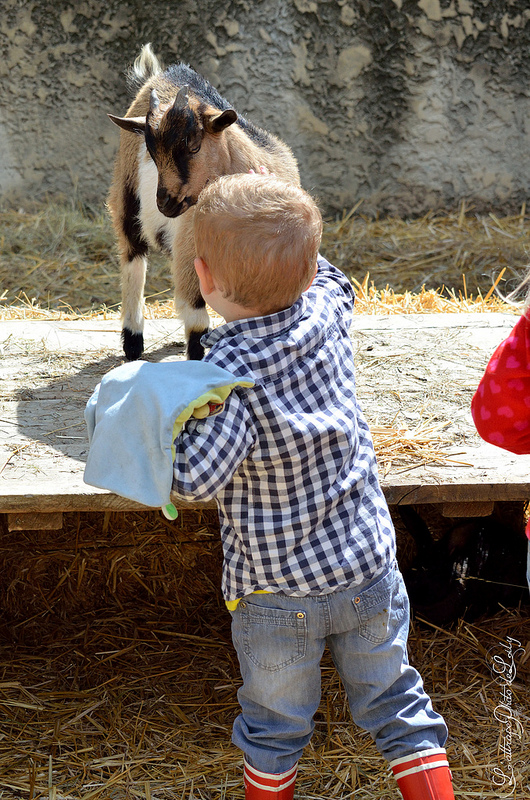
x=407, y=105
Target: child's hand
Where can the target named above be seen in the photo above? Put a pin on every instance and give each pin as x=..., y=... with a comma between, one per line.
x=201, y=412
x=207, y=410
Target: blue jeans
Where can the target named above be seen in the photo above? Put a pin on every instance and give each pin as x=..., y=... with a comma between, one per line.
x=280, y=640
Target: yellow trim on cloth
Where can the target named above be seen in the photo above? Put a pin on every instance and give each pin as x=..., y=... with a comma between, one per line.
x=233, y=604
x=217, y=396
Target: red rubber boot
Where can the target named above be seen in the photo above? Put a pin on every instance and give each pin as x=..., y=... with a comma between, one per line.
x=424, y=775
x=264, y=786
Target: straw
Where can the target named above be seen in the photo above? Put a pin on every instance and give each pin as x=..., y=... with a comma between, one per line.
x=58, y=261
x=113, y=688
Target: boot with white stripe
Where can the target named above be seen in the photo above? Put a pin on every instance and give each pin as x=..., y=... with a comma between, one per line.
x=266, y=786
x=424, y=775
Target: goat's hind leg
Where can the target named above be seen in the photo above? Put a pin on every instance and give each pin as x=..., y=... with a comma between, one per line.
x=133, y=254
x=190, y=307
x=189, y=303
x=196, y=324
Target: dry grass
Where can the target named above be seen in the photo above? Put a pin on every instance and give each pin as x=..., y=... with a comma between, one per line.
x=452, y=252
x=400, y=448
x=371, y=300
x=118, y=679
x=62, y=260
x=59, y=261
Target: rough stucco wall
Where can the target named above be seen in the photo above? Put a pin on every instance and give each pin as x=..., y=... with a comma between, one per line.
x=408, y=105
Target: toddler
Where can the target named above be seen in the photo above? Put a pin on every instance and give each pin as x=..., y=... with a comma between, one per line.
x=308, y=541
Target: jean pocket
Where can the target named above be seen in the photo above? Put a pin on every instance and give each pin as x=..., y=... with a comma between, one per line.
x=381, y=607
x=271, y=637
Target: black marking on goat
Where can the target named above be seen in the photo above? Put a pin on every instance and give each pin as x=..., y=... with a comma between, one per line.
x=183, y=126
x=182, y=74
x=137, y=245
x=162, y=241
x=181, y=159
x=151, y=141
x=174, y=138
x=133, y=344
x=199, y=302
x=195, y=348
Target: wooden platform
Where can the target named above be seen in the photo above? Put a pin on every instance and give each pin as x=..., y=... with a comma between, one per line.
x=411, y=369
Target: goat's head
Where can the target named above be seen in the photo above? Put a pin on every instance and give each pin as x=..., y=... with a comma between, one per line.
x=183, y=139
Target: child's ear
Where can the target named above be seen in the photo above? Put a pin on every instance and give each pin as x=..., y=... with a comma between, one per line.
x=206, y=280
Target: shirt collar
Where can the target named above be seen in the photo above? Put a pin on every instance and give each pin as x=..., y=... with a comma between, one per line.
x=258, y=327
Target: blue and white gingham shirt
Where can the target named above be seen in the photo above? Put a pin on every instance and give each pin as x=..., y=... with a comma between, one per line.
x=290, y=461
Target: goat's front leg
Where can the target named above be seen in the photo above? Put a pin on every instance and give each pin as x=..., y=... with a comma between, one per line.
x=133, y=257
x=133, y=273
x=191, y=308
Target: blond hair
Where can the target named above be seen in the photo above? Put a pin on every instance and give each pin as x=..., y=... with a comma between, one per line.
x=260, y=237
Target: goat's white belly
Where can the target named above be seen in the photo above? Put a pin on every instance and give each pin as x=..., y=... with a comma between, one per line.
x=155, y=226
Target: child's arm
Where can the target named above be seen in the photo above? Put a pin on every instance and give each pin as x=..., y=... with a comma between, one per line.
x=209, y=451
x=501, y=404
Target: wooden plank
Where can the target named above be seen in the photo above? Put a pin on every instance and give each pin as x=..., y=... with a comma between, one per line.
x=35, y=521
x=421, y=493
x=411, y=370
x=47, y=373
x=486, y=474
x=419, y=370
x=75, y=497
x=484, y=509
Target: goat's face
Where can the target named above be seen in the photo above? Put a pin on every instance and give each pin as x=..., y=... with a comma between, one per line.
x=184, y=142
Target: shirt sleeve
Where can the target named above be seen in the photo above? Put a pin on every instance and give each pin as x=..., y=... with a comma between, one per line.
x=337, y=286
x=209, y=451
x=501, y=405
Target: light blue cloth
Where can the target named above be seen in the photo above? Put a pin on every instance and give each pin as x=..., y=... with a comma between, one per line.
x=134, y=416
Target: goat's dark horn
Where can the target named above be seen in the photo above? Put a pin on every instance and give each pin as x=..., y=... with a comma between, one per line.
x=182, y=99
x=154, y=102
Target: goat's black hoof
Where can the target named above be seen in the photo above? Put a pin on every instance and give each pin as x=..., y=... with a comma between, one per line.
x=133, y=344
x=195, y=348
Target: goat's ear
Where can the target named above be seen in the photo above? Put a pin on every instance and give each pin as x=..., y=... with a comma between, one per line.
x=218, y=122
x=134, y=124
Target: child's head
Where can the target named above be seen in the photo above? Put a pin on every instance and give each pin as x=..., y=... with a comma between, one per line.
x=259, y=236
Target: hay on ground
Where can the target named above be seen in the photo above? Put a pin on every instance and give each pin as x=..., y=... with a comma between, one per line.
x=461, y=251
x=118, y=680
x=60, y=260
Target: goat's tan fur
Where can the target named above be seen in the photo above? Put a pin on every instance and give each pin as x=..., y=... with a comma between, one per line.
x=138, y=183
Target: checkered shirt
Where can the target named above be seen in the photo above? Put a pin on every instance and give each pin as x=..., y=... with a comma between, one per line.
x=290, y=461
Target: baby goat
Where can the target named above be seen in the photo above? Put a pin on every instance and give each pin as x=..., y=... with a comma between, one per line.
x=178, y=134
